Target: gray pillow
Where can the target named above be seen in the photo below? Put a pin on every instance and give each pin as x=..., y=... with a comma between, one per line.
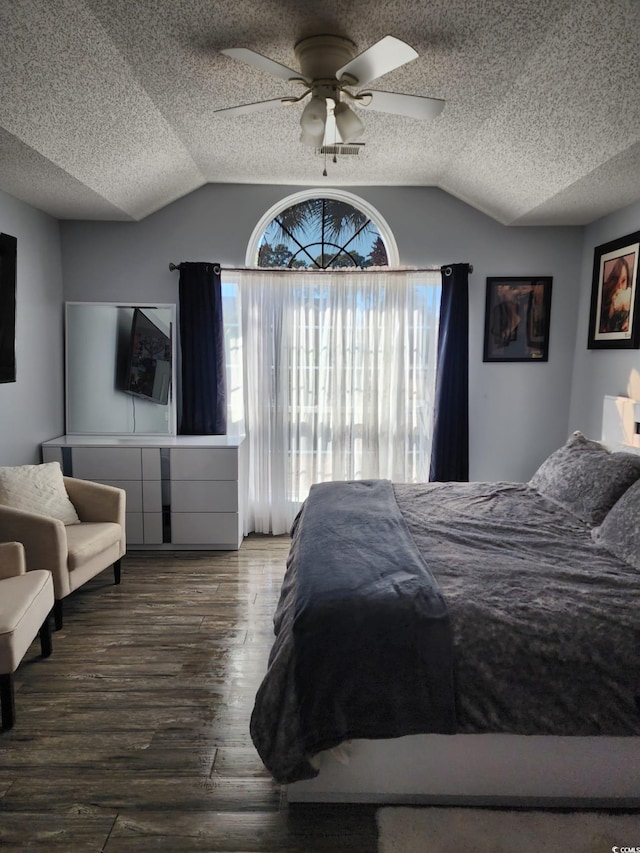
x=586, y=478
x=620, y=531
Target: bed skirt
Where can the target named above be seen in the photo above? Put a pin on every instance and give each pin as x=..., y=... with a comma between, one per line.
x=477, y=770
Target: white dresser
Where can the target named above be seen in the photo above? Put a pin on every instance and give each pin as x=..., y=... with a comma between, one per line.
x=183, y=492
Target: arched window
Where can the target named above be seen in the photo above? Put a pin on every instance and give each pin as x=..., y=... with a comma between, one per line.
x=322, y=229
x=336, y=369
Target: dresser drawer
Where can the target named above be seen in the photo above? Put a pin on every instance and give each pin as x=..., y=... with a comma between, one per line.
x=107, y=463
x=195, y=463
x=134, y=531
x=152, y=522
x=204, y=496
x=216, y=529
x=152, y=495
x=133, y=488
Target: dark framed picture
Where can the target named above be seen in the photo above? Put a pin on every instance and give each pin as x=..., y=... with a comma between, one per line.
x=516, y=319
x=8, y=248
x=614, y=322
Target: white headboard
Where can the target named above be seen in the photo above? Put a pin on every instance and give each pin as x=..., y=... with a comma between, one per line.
x=621, y=424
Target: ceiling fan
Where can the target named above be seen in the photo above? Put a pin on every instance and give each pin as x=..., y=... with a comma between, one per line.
x=329, y=69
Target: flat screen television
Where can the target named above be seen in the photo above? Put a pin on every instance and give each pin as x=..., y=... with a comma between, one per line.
x=149, y=366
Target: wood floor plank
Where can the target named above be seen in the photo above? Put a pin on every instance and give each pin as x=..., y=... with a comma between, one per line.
x=340, y=831
x=177, y=762
x=143, y=790
x=238, y=762
x=134, y=734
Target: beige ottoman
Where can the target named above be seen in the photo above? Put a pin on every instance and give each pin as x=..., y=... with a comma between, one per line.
x=26, y=599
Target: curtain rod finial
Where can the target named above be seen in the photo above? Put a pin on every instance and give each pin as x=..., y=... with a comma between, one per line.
x=449, y=269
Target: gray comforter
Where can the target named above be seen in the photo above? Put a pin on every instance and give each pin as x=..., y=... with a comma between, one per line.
x=546, y=624
x=360, y=610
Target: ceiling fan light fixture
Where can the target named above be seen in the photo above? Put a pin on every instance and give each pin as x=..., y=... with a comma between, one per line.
x=313, y=138
x=314, y=116
x=348, y=123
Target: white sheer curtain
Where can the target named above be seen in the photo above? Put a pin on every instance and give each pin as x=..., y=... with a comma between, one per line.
x=339, y=375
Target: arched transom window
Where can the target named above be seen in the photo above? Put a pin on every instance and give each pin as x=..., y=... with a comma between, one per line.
x=325, y=231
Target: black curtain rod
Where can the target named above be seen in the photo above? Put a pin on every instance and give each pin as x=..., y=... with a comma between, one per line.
x=446, y=270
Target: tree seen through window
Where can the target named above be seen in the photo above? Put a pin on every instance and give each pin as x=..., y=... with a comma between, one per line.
x=322, y=233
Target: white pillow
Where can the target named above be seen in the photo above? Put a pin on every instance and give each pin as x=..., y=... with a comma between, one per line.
x=39, y=489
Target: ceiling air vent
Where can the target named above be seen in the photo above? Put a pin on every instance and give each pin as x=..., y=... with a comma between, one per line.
x=340, y=150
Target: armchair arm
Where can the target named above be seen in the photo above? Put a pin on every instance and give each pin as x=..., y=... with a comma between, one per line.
x=44, y=540
x=12, y=560
x=95, y=501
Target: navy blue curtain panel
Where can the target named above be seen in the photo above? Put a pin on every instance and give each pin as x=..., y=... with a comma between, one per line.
x=204, y=397
x=450, y=446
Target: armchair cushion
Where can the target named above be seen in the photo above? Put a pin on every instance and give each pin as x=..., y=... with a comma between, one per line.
x=39, y=489
x=25, y=602
x=89, y=539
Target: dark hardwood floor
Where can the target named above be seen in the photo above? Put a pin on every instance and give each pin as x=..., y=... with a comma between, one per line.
x=134, y=734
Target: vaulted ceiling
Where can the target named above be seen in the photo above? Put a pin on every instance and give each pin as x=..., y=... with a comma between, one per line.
x=107, y=107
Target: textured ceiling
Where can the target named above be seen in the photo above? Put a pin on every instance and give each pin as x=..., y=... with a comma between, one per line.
x=107, y=106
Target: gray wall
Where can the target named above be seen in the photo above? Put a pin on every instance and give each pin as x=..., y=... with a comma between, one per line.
x=32, y=408
x=519, y=412
x=600, y=372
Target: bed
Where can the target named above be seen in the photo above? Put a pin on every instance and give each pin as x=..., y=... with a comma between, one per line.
x=462, y=642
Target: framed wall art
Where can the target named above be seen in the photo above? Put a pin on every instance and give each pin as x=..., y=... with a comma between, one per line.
x=8, y=249
x=516, y=320
x=614, y=321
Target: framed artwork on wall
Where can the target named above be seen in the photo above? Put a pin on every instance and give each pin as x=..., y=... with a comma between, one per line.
x=8, y=251
x=516, y=319
x=614, y=322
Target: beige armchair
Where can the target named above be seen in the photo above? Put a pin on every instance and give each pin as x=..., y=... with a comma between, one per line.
x=76, y=552
x=26, y=599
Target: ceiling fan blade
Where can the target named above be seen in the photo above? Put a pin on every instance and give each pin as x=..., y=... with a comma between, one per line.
x=246, y=109
x=244, y=54
x=381, y=57
x=413, y=106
